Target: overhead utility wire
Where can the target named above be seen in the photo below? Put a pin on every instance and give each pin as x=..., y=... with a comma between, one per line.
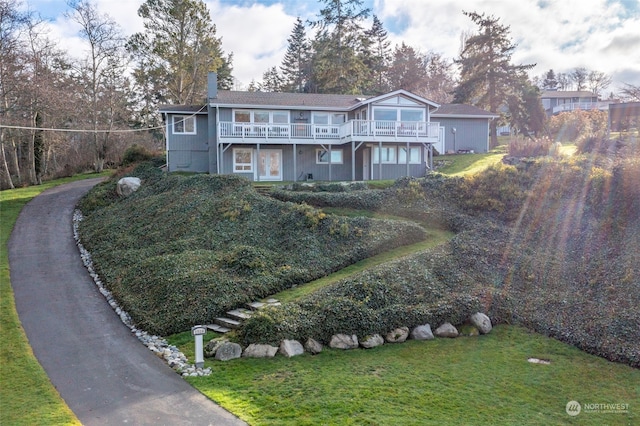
x=52, y=129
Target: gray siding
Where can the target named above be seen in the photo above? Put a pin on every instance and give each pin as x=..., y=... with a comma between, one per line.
x=189, y=152
x=471, y=133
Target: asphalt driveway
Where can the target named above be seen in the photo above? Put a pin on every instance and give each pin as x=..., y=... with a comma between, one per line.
x=105, y=375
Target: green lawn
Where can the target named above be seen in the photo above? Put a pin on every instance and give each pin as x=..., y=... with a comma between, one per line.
x=483, y=380
x=468, y=164
x=26, y=394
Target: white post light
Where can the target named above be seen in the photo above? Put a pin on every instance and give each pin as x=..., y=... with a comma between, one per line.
x=198, y=332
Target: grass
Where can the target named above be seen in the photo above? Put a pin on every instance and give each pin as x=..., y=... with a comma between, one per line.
x=434, y=237
x=471, y=380
x=469, y=164
x=26, y=394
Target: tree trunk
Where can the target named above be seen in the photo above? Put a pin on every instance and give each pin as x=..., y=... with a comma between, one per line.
x=5, y=167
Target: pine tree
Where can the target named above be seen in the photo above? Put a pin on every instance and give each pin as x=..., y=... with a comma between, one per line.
x=377, y=56
x=486, y=72
x=295, y=65
x=338, y=66
x=550, y=81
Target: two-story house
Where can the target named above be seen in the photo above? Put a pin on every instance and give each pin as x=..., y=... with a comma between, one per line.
x=273, y=136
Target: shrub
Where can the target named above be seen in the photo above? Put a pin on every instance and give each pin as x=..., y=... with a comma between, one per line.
x=529, y=147
x=136, y=154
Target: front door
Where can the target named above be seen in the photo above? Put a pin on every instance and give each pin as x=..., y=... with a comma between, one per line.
x=270, y=164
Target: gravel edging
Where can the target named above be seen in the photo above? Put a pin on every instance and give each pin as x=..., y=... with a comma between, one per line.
x=169, y=353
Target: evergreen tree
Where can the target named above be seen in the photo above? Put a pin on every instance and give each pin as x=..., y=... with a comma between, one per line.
x=295, y=65
x=526, y=113
x=550, y=82
x=272, y=81
x=408, y=70
x=177, y=50
x=486, y=72
x=377, y=56
x=338, y=66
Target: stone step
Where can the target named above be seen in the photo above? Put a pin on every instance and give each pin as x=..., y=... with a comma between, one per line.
x=218, y=328
x=227, y=322
x=240, y=314
x=254, y=306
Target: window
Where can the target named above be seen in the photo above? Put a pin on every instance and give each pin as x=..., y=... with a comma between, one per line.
x=328, y=118
x=242, y=160
x=385, y=114
x=414, y=155
x=261, y=116
x=388, y=155
x=184, y=124
x=322, y=156
x=411, y=115
x=242, y=116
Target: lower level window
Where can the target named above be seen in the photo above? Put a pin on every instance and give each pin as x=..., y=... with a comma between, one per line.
x=322, y=156
x=414, y=155
x=388, y=155
x=242, y=160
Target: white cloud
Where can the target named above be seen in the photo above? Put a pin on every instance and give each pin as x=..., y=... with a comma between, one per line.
x=256, y=34
x=560, y=35
x=603, y=35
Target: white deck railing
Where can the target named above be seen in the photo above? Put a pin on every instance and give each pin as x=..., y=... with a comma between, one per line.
x=353, y=129
x=580, y=105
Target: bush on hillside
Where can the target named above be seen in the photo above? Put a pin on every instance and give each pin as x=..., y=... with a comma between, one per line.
x=529, y=147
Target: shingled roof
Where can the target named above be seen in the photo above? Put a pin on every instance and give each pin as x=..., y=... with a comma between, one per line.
x=462, y=110
x=289, y=100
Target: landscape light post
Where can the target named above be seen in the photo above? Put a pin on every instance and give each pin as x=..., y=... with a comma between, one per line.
x=198, y=332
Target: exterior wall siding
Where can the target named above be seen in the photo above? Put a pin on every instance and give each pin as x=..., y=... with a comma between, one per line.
x=189, y=152
x=471, y=134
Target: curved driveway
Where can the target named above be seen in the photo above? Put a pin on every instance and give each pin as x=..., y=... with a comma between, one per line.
x=105, y=375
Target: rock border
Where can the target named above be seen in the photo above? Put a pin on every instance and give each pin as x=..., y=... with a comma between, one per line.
x=169, y=353
x=288, y=348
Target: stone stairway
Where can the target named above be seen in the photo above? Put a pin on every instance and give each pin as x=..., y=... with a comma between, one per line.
x=235, y=317
x=263, y=189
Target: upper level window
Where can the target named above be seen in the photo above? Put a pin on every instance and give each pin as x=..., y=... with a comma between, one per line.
x=398, y=114
x=328, y=118
x=184, y=124
x=260, y=116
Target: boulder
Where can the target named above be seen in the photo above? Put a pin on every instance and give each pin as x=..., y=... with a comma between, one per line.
x=372, y=341
x=398, y=335
x=313, y=346
x=212, y=346
x=291, y=348
x=446, y=330
x=127, y=186
x=228, y=350
x=481, y=322
x=422, y=332
x=255, y=350
x=343, y=341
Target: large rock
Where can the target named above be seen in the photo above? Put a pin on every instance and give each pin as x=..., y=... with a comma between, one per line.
x=127, y=186
x=255, y=350
x=343, y=341
x=398, y=335
x=372, y=341
x=313, y=346
x=422, y=332
x=212, y=346
x=446, y=330
x=482, y=322
x=228, y=350
x=291, y=348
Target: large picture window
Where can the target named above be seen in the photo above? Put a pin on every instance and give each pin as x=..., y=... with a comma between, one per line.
x=184, y=124
x=260, y=116
x=322, y=156
x=242, y=160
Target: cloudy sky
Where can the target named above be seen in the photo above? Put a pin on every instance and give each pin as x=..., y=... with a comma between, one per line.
x=602, y=35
